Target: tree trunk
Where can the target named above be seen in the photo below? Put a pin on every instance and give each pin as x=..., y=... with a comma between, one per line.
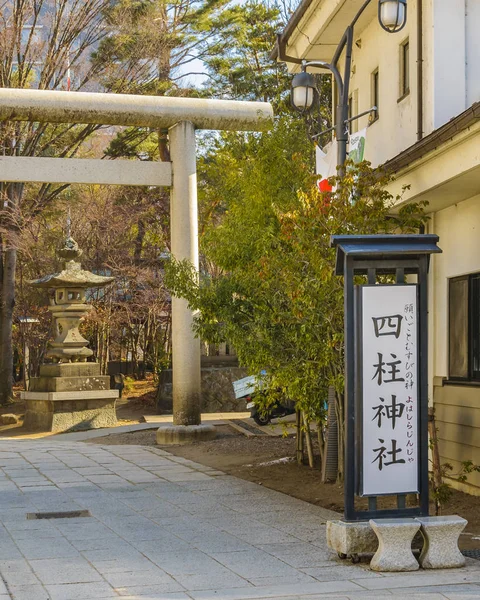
x=308, y=440
x=6, y=318
x=339, y=404
x=436, y=466
x=330, y=440
x=299, y=438
x=163, y=148
x=138, y=243
x=321, y=443
x=2, y=260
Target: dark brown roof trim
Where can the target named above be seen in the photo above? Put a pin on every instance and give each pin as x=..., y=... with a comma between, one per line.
x=433, y=140
x=292, y=23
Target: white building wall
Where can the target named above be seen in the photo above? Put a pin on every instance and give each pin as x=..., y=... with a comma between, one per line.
x=379, y=49
x=459, y=229
x=451, y=73
x=428, y=73
x=472, y=24
x=449, y=59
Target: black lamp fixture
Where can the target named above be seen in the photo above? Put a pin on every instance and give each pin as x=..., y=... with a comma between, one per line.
x=304, y=91
x=392, y=15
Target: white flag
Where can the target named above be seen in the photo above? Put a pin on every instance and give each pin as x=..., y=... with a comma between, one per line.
x=326, y=165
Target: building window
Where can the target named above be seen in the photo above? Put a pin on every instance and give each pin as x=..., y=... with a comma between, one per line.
x=404, y=69
x=375, y=95
x=464, y=327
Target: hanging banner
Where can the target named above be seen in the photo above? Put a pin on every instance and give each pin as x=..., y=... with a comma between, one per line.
x=356, y=146
x=389, y=385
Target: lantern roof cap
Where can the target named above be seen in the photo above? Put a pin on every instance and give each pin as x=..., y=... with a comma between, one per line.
x=70, y=249
x=72, y=274
x=382, y=247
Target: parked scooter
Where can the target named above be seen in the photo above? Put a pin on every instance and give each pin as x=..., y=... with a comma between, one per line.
x=250, y=388
x=279, y=409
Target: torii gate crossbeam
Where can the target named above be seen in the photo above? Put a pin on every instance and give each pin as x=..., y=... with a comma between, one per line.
x=181, y=116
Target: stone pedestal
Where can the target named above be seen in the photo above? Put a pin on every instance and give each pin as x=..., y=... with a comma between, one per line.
x=441, y=534
x=351, y=539
x=395, y=538
x=185, y=434
x=70, y=397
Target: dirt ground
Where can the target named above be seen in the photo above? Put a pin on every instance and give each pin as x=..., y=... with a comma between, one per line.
x=251, y=458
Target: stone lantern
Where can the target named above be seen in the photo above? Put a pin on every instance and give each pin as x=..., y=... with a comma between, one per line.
x=70, y=393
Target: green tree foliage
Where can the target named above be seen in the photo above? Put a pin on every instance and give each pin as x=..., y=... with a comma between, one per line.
x=244, y=69
x=267, y=284
x=274, y=295
x=157, y=46
x=153, y=45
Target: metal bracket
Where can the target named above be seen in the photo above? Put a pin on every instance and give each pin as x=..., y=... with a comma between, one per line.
x=362, y=114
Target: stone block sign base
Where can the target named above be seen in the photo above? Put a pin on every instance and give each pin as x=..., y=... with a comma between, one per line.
x=441, y=534
x=185, y=434
x=395, y=538
x=351, y=539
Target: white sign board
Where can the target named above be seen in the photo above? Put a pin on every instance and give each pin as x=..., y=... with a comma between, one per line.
x=390, y=399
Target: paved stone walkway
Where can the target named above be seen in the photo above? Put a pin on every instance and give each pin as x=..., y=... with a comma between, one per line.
x=165, y=528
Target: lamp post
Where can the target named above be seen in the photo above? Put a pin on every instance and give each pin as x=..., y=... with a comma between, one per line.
x=392, y=16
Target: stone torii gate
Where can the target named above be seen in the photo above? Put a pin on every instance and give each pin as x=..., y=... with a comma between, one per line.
x=181, y=116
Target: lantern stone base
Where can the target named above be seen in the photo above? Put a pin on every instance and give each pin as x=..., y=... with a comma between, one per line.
x=70, y=384
x=70, y=397
x=351, y=539
x=75, y=369
x=185, y=434
x=70, y=411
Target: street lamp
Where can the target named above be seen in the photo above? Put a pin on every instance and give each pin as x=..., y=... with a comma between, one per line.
x=392, y=16
x=303, y=92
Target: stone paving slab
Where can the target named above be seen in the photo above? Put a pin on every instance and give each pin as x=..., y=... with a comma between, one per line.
x=166, y=528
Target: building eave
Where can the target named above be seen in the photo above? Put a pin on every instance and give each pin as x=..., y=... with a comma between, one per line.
x=435, y=139
x=290, y=27
x=315, y=29
x=441, y=170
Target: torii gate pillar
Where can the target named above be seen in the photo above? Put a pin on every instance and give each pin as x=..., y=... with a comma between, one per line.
x=186, y=368
x=184, y=245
